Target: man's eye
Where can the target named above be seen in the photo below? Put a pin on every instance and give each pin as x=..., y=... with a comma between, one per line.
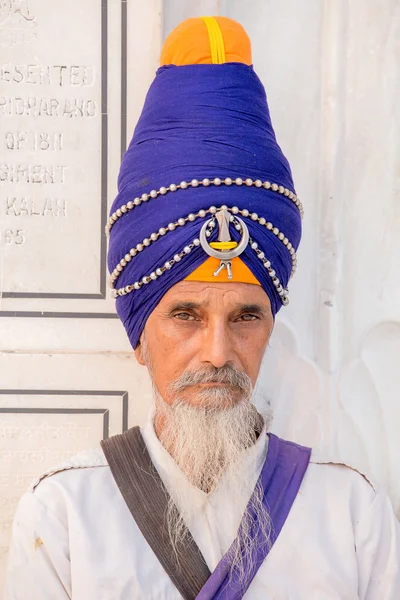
x=184, y=316
x=248, y=317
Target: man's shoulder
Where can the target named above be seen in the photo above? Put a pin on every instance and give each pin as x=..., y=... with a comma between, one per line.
x=324, y=466
x=78, y=463
x=340, y=469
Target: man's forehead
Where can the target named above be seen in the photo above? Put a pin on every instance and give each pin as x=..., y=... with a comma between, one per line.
x=205, y=293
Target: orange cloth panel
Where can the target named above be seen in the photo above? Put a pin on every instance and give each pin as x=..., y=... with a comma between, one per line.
x=189, y=43
x=240, y=272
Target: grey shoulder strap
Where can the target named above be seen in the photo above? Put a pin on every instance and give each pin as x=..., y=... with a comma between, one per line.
x=147, y=500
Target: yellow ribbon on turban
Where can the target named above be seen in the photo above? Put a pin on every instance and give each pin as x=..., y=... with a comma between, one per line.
x=216, y=40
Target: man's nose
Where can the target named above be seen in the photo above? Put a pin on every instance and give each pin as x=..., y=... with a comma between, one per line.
x=217, y=344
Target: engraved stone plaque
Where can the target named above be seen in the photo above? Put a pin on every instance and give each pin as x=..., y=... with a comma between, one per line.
x=53, y=148
x=40, y=429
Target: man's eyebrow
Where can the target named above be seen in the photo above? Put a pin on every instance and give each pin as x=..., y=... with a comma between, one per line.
x=184, y=306
x=252, y=308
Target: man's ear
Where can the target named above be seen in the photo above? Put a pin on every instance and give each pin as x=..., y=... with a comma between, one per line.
x=139, y=354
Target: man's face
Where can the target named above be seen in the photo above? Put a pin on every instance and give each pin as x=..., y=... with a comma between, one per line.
x=201, y=327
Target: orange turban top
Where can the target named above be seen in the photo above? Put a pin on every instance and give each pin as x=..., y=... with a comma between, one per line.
x=206, y=40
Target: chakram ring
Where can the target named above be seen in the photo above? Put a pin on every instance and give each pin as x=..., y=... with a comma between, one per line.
x=224, y=254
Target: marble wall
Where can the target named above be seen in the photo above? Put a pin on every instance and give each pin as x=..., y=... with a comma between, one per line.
x=72, y=82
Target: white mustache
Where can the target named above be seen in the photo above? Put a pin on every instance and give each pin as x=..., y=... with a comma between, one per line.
x=228, y=374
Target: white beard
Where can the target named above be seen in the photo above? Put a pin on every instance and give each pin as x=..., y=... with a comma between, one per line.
x=206, y=444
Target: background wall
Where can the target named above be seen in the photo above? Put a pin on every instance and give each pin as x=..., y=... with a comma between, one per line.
x=72, y=82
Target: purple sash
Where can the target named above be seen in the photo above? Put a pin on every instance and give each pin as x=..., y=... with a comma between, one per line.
x=281, y=477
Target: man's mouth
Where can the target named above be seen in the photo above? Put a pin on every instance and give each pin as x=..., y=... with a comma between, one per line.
x=213, y=384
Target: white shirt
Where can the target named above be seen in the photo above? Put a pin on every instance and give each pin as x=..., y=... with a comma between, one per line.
x=74, y=537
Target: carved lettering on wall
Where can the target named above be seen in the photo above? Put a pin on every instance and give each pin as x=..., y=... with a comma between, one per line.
x=52, y=184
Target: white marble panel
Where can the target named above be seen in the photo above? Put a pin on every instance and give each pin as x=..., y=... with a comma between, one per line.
x=367, y=219
x=370, y=178
x=49, y=371
x=60, y=100
x=63, y=335
x=55, y=405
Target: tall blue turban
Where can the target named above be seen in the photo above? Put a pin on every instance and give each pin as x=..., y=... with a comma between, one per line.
x=204, y=139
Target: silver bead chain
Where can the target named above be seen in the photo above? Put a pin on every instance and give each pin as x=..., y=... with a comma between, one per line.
x=282, y=292
x=270, y=227
x=158, y=272
x=173, y=187
x=153, y=237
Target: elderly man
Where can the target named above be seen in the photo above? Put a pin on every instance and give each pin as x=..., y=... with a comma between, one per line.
x=202, y=502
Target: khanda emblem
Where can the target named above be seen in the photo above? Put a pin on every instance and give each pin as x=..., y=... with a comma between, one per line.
x=225, y=248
